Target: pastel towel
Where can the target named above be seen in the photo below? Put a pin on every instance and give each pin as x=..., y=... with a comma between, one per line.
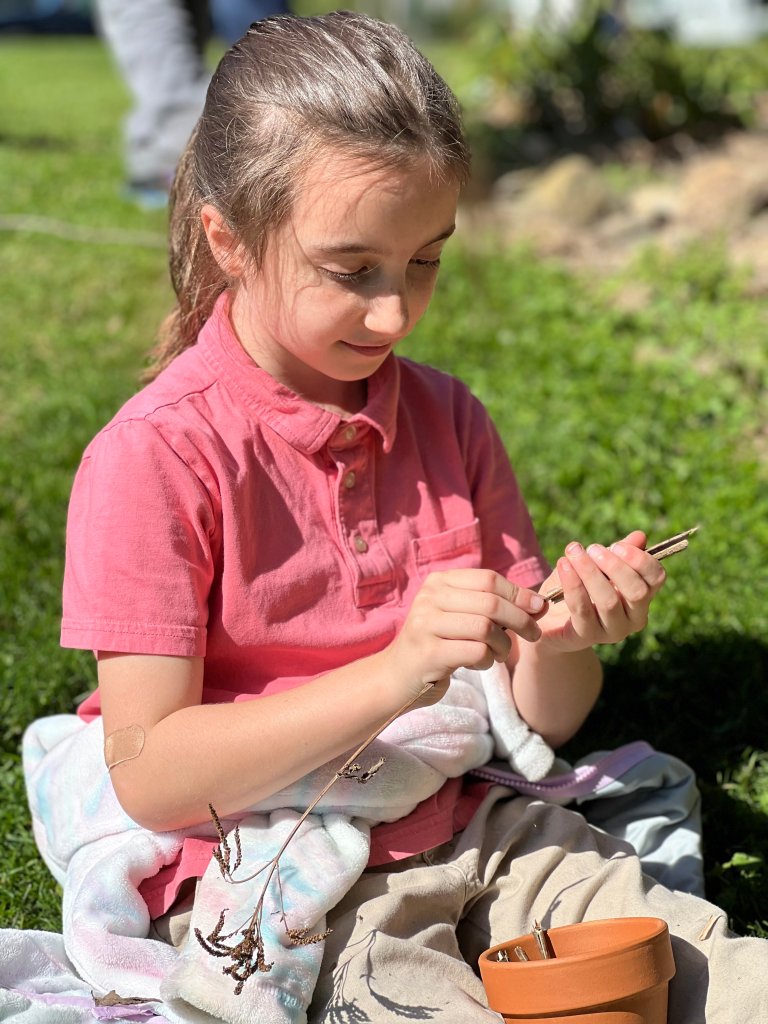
x=100, y=857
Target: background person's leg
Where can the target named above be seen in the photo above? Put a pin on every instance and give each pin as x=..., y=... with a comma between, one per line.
x=157, y=47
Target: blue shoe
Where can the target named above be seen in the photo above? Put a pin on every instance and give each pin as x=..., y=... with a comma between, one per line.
x=148, y=195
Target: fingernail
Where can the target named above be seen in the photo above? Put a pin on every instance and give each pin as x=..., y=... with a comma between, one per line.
x=597, y=551
x=574, y=548
x=618, y=549
x=537, y=603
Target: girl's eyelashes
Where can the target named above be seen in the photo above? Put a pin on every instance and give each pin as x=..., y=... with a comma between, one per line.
x=355, y=276
x=350, y=278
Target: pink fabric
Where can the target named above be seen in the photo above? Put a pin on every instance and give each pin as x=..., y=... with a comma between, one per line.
x=160, y=891
x=221, y=515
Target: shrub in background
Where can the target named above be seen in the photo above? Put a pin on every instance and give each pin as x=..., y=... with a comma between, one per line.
x=603, y=80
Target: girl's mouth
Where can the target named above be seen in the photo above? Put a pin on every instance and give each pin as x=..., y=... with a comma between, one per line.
x=369, y=350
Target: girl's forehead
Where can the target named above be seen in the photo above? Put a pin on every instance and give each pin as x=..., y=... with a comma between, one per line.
x=348, y=193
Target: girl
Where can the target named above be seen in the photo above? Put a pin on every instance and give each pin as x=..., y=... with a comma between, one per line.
x=291, y=533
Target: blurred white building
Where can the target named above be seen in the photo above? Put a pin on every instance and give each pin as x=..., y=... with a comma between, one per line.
x=692, y=22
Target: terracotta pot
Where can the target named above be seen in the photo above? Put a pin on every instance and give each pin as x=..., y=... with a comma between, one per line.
x=603, y=972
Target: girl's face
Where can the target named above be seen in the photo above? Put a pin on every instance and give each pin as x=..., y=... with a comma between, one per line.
x=346, y=277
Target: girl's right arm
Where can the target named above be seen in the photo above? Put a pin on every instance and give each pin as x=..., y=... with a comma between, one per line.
x=233, y=755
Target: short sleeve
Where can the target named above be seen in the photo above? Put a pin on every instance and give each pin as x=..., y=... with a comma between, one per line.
x=139, y=558
x=509, y=541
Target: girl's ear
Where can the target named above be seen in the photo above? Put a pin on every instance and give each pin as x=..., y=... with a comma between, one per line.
x=225, y=246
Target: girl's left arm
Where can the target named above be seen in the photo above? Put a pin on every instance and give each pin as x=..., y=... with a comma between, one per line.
x=555, y=692
x=607, y=593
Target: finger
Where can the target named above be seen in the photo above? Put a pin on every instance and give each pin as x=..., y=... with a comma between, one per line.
x=575, y=594
x=646, y=566
x=493, y=608
x=476, y=656
x=476, y=629
x=597, y=584
x=475, y=648
x=606, y=603
x=633, y=588
x=490, y=582
x=636, y=538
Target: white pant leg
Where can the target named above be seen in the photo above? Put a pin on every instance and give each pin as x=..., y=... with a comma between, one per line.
x=153, y=43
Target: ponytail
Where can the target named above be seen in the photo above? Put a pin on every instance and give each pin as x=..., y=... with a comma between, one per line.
x=196, y=277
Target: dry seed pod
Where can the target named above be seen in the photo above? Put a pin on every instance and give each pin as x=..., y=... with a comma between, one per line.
x=662, y=550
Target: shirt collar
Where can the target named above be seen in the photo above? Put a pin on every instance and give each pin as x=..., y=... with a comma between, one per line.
x=301, y=423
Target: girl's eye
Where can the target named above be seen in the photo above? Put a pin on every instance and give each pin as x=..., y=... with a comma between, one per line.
x=355, y=276
x=350, y=278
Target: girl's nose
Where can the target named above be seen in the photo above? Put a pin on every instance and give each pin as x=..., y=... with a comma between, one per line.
x=388, y=314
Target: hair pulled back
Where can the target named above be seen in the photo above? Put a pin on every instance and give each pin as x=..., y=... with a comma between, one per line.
x=290, y=88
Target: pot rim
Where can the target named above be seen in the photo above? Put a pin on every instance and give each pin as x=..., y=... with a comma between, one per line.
x=626, y=967
x=656, y=927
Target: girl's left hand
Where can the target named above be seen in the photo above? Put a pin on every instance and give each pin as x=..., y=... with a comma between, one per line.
x=607, y=593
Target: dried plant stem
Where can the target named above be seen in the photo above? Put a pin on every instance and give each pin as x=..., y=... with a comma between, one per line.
x=247, y=956
x=349, y=770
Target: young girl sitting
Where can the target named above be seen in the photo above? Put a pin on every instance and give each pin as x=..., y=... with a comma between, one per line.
x=289, y=536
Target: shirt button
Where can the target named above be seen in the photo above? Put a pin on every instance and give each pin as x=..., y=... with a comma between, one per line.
x=350, y=433
x=360, y=544
x=350, y=479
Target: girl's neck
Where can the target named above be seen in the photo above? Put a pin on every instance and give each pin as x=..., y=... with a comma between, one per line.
x=345, y=398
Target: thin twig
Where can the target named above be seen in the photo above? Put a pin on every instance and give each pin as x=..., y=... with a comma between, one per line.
x=348, y=770
x=662, y=550
x=247, y=956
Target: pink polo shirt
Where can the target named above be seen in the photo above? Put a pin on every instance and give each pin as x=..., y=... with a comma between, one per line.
x=221, y=515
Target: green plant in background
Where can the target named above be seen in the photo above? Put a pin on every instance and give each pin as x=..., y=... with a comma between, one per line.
x=600, y=80
x=613, y=419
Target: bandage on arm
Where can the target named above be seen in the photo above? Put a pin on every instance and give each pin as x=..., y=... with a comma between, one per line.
x=123, y=745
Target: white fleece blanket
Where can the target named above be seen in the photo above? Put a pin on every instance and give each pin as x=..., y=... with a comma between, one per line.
x=100, y=857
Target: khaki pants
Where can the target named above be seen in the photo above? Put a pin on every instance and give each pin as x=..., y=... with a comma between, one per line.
x=405, y=942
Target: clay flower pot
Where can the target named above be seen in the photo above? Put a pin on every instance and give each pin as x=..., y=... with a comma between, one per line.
x=602, y=972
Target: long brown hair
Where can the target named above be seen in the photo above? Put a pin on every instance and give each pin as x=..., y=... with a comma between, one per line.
x=288, y=90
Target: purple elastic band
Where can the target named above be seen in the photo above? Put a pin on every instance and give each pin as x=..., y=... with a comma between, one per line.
x=581, y=781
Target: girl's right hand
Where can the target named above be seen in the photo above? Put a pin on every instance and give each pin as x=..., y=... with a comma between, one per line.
x=459, y=618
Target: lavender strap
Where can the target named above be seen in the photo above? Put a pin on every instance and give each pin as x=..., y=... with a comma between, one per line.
x=587, y=778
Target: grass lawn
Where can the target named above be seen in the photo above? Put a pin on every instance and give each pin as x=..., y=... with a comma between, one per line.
x=654, y=418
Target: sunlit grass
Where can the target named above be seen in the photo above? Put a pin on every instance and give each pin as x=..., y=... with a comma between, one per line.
x=613, y=420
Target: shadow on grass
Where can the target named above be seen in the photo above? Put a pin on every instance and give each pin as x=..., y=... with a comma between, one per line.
x=705, y=701
x=37, y=143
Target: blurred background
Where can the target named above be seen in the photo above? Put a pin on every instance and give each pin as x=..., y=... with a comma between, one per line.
x=606, y=296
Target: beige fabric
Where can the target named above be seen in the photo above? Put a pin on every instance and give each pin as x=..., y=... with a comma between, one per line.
x=173, y=927
x=403, y=940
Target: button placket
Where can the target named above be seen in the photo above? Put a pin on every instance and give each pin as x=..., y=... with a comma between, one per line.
x=355, y=500
x=351, y=452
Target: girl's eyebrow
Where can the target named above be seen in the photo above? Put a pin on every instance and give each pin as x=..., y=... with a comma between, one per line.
x=355, y=248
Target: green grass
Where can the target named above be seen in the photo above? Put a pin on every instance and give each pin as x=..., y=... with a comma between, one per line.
x=613, y=419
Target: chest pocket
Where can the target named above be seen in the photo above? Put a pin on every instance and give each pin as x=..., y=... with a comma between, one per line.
x=457, y=548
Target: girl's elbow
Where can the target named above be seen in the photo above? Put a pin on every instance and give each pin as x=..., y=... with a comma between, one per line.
x=145, y=804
